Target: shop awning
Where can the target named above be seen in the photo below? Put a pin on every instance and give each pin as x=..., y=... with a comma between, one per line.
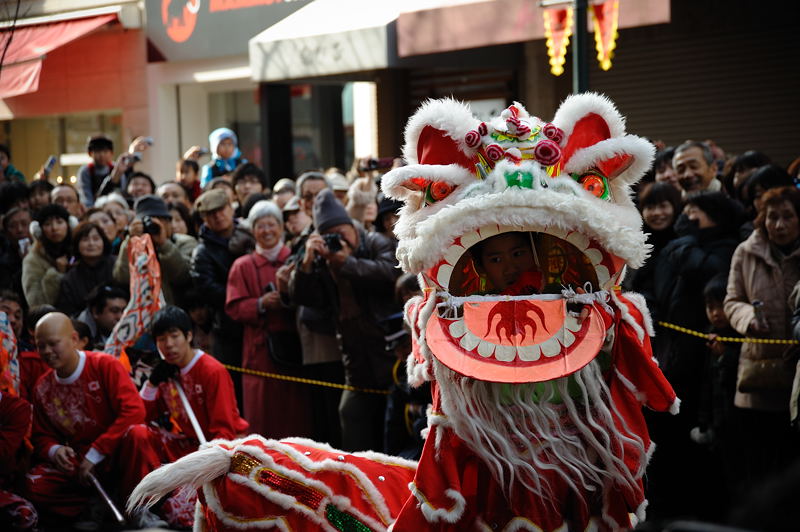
x=29, y=46
x=327, y=37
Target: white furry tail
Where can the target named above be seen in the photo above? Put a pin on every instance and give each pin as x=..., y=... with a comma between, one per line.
x=191, y=471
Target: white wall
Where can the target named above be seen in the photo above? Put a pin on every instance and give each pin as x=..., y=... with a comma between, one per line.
x=180, y=89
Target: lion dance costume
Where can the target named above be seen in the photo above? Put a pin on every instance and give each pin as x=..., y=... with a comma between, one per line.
x=536, y=422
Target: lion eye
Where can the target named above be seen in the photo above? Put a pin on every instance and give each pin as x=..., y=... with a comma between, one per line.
x=437, y=191
x=594, y=184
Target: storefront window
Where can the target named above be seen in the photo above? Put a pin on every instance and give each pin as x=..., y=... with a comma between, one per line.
x=319, y=133
x=304, y=134
x=33, y=140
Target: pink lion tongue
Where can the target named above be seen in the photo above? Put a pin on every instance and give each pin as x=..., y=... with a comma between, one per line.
x=516, y=341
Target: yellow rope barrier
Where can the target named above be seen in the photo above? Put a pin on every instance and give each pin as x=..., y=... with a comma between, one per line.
x=315, y=382
x=728, y=338
x=303, y=380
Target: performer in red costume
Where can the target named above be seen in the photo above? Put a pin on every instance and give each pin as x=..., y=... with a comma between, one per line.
x=15, y=424
x=83, y=408
x=209, y=389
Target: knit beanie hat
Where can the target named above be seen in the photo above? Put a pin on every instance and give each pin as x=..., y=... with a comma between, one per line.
x=328, y=211
x=217, y=136
x=260, y=210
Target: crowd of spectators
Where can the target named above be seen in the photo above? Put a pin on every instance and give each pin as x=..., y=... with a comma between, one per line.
x=725, y=261
x=300, y=279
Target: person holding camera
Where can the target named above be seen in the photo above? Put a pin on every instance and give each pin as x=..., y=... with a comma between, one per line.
x=174, y=251
x=352, y=272
x=103, y=175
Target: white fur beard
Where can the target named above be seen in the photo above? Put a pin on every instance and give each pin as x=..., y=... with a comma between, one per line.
x=519, y=437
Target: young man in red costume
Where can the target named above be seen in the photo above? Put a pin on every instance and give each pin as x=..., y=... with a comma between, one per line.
x=83, y=408
x=209, y=390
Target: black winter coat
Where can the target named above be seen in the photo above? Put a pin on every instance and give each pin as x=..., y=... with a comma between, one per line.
x=685, y=266
x=211, y=261
x=368, y=277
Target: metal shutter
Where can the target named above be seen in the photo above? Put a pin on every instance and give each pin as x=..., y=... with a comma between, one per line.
x=739, y=87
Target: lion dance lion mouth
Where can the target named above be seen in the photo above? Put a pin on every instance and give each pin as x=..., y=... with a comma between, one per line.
x=529, y=337
x=519, y=232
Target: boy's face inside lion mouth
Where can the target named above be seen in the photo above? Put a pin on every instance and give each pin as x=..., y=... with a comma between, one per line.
x=503, y=260
x=521, y=263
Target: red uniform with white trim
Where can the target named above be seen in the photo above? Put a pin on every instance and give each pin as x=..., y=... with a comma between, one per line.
x=91, y=411
x=209, y=389
x=31, y=368
x=15, y=425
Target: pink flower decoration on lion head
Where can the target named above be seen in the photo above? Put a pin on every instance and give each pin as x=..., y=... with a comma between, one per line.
x=547, y=152
x=553, y=132
x=494, y=152
x=472, y=139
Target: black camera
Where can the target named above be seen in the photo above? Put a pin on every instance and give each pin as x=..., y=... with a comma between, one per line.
x=150, y=227
x=376, y=164
x=333, y=241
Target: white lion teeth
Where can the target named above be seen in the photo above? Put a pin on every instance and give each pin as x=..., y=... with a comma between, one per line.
x=556, y=231
x=469, y=239
x=602, y=274
x=504, y=353
x=595, y=255
x=578, y=240
x=551, y=347
x=443, y=275
x=569, y=338
x=453, y=253
x=458, y=329
x=489, y=230
x=485, y=349
x=469, y=341
x=529, y=353
x=571, y=323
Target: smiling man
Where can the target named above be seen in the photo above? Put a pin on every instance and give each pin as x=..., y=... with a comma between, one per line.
x=83, y=409
x=694, y=166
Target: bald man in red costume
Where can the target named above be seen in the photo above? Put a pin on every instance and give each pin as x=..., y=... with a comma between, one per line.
x=83, y=408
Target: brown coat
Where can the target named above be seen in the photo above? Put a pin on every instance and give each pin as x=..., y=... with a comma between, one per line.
x=41, y=281
x=758, y=273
